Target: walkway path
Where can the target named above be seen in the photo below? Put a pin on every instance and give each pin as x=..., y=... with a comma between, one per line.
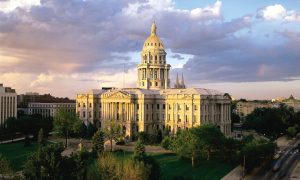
x=14, y=140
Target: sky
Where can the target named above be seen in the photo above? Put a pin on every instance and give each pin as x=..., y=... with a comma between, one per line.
x=249, y=48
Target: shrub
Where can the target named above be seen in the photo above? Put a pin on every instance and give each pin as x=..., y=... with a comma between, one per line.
x=167, y=142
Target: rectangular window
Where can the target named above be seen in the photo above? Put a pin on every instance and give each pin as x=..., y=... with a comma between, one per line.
x=137, y=106
x=78, y=105
x=187, y=107
x=83, y=114
x=84, y=105
x=90, y=105
x=164, y=106
x=157, y=106
x=147, y=106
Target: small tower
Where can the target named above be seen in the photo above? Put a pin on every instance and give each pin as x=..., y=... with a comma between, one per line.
x=182, y=82
x=179, y=84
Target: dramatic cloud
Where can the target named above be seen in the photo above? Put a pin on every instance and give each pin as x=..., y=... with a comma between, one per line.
x=77, y=45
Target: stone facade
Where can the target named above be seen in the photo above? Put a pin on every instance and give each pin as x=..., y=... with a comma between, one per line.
x=149, y=110
x=88, y=106
x=8, y=103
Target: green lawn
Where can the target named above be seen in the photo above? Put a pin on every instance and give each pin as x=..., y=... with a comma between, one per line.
x=16, y=153
x=172, y=166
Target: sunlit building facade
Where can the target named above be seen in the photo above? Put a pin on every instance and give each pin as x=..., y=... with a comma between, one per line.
x=154, y=105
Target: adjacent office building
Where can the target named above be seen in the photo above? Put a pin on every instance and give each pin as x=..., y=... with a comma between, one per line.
x=8, y=103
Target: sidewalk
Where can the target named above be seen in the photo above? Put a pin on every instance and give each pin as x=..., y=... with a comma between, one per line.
x=235, y=174
x=14, y=140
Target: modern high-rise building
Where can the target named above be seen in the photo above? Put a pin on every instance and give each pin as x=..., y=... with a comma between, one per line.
x=8, y=103
x=154, y=105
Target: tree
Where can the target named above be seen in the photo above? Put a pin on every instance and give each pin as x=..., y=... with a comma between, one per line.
x=46, y=163
x=5, y=167
x=90, y=130
x=41, y=137
x=210, y=138
x=257, y=151
x=12, y=126
x=76, y=166
x=64, y=122
x=112, y=132
x=139, y=150
x=98, y=141
x=80, y=129
x=272, y=122
x=187, y=144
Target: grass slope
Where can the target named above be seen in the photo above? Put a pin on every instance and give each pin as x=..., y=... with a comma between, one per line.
x=16, y=153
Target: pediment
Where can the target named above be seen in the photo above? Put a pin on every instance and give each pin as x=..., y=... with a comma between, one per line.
x=187, y=96
x=119, y=95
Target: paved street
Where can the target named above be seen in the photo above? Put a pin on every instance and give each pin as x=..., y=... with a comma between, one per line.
x=286, y=164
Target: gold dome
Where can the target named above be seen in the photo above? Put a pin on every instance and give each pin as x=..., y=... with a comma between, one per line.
x=153, y=42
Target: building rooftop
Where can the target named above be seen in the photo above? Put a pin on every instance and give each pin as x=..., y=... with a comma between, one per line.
x=200, y=91
x=6, y=89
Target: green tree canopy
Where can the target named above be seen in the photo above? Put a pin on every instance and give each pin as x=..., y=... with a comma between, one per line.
x=64, y=123
x=112, y=132
x=187, y=144
x=98, y=142
x=139, y=150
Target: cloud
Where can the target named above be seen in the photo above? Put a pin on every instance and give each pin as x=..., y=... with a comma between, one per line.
x=279, y=13
x=77, y=45
x=178, y=56
x=10, y=5
x=273, y=12
x=208, y=11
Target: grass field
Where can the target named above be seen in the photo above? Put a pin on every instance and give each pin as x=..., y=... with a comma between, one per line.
x=171, y=166
x=16, y=153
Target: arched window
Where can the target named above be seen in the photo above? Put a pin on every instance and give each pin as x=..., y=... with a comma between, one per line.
x=155, y=57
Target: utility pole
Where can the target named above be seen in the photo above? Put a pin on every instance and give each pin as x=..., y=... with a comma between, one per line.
x=244, y=169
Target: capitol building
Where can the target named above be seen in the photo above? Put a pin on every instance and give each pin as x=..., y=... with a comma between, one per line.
x=154, y=105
